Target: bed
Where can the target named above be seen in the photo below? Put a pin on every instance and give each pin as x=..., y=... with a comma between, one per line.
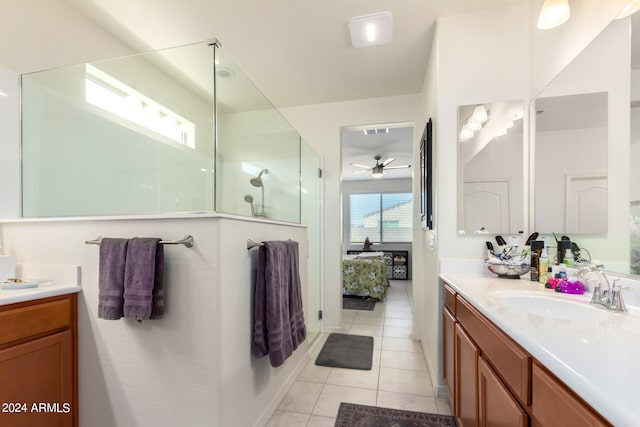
x=364, y=275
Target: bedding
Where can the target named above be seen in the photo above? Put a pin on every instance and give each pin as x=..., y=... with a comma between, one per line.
x=364, y=276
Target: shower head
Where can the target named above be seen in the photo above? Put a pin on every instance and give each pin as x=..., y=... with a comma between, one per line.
x=257, y=181
x=249, y=199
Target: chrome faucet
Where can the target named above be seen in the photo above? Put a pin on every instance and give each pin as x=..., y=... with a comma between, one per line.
x=610, y=298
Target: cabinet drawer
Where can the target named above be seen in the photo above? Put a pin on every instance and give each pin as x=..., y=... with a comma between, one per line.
x=449, y=297
x=510, y=362
x=555, y=405
x=23, y=320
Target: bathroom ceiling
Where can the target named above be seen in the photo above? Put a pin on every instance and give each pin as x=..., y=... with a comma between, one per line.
x=297, y=53
x=360, y=148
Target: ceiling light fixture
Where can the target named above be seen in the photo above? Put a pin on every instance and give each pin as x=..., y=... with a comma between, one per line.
x=377, y=171
x=371, y=30
x=553, y=14
x=632, y=7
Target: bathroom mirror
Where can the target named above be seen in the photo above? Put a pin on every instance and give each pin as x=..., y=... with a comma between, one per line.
x=571, y=180
x=490, y=168
x=582, y=176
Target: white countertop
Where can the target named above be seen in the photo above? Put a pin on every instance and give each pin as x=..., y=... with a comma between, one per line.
x=44, y=290
x=598, y=358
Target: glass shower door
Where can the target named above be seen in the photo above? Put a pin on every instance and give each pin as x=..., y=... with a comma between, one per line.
x=310, y=211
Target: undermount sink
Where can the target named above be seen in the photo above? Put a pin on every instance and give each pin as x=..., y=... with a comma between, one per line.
x=554, y=307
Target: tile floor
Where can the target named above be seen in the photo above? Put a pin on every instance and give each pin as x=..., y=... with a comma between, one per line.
x=399, y=378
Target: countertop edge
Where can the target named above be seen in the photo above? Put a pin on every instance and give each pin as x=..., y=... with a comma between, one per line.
x=600, y=401
x=36, y=294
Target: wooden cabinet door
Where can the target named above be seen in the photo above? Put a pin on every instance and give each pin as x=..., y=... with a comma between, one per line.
x=466, y=379
x=496, y=406
x=448, y=326
x=554, y=405
x=37, y=383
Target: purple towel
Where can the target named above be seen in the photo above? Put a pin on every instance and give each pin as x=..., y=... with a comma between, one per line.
x=144, y=279
x=279, y=318
x=113, y=254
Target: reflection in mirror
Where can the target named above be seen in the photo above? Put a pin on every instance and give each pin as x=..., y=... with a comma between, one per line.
x=634, y=173
x=571, y=137
x=490, y=172
x=580, y=151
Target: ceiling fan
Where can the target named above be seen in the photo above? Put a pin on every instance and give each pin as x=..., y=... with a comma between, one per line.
x=378, y=169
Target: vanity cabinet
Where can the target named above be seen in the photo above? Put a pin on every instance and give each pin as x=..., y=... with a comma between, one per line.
x=38, y=363
x=492, y=381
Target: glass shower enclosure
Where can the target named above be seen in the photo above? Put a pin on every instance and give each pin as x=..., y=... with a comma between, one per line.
x=179, y=130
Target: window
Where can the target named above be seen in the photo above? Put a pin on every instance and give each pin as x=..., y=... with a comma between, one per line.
x=110, y=94
x=382, y=217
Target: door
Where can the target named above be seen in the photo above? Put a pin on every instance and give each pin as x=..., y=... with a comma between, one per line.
x=496, y=406
x=587, y=205
x=310, y=215
x=466, y=379
x=486, y=206
x=448, y=329
x=37, y=382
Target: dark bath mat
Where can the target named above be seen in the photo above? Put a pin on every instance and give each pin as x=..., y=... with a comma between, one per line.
x=347, y=351
x=351, y=415
x=358, y=304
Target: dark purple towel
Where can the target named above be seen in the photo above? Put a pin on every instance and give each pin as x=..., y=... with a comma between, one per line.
x=144, y=279
x=113, y=254
x=279, y=318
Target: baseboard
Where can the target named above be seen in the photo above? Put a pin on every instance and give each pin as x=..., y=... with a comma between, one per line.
x=277, y=397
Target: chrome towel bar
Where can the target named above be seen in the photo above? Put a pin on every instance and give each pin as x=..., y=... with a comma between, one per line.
x=251, y=244
x=186, y=240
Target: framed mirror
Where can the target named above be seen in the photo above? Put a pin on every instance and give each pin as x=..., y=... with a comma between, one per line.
x=490, y=168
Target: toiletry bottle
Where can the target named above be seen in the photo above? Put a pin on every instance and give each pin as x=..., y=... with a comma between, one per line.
x=563, y=270
x=536, y=251
x=543, y=266
x=568, y=258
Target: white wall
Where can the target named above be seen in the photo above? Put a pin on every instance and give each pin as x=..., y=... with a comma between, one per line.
x=9, y=144
x=497, y=70
x=193, y=367
x=321, y=126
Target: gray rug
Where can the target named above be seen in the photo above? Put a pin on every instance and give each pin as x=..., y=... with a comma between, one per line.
x=351, y=415
x=358, y=304
x=347, y=351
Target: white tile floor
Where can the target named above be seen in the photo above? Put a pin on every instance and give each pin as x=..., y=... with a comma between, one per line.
x=399, y=377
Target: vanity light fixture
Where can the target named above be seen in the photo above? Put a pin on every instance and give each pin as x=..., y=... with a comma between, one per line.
x=553, y=14
x=632, y=7
x=480, y=114
x=466, y=133
x=371, y=30
x=501, y=132
x=509, y=125
x=474, y=125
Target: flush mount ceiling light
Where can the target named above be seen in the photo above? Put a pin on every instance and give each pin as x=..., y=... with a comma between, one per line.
x=553, y=14
x=631, y=8
x=371, y=30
